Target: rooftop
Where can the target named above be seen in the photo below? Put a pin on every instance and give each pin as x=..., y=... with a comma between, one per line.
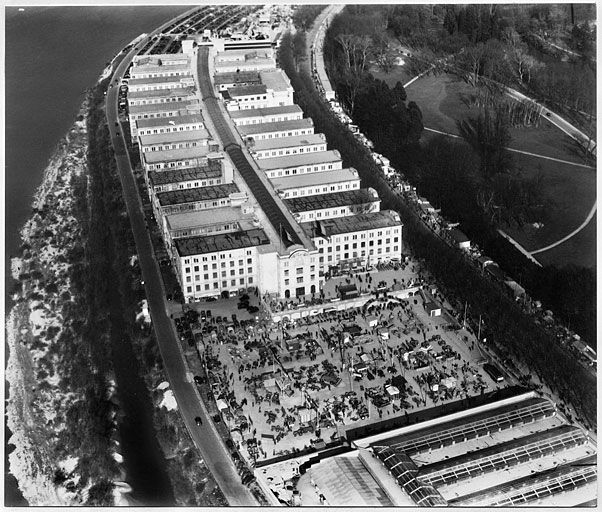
x=252, y=129
x=288, y=142
x=179, y=136
x=245, y=90
x=166, y=121
x=225, y=214
x=162, y=93
x=323, y=201
x=195, y=195
x=458, y=236
x=284, y=162
x=265, y=111
x=172, y=155
x=315, y=178
x=221, y=242
x=159, y=80
x=275, y=79
x=141, y=60
x=352, y=223
x=154, y=68
x=240, y=77
x=212, y=170
x=167, y=106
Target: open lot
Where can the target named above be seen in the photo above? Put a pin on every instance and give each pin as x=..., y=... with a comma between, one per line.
x=282, y=388
x=568, y=191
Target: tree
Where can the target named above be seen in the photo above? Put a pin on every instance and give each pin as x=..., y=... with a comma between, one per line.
x=489, y=136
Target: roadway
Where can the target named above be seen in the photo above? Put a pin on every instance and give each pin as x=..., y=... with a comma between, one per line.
x=206, y=438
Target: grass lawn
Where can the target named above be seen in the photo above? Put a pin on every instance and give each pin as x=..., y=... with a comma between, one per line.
x=397, y=74
x=569, y=191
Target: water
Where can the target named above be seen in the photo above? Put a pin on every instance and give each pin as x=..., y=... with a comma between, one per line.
x=53, y=54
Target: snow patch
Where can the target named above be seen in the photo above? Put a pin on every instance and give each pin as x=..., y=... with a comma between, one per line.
x=69, y=464
x=163, y=385
x=133, y=260
x=169, y=401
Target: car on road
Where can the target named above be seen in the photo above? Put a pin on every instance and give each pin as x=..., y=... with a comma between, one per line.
x=198, y=420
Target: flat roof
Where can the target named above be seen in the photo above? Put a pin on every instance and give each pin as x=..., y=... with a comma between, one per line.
x=247, y=53
x=323, y=201
x=246, y=90
x=195, y=195
x=155, y=68
x=167, y=106
x=221, y=242
x=265, y=111
x=170, y=155
x=315, y=178
x=275, y=79
x=283, y=162
x=141, y=60
x=240, y=77
x=352, y=223
x=201, y=218
x=288, y=142
x=179, y=136
x=278, y=126
x=159, y=80
x=162, y=93
x=173, y=120
x=212, y=170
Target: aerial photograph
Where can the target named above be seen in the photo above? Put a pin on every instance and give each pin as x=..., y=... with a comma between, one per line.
x=300, y=255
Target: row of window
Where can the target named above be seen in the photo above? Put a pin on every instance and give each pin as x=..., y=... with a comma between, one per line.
x=276, y=135
x=153, y=101
x=178, y=163
x=337, y=248
x=138, y=76
x=269, y=119
x=299, y=280
x=333, y=212
x=188, y=184
x=293, y=151
x=199, y=205
x=224, y=273
x=207, y=230
x=170, y=129
x=215, y=285
x=155, y=115
x=311, y=191
x=196, y=268
x=166, y=147
x=361, y=254
x=213, y=257
x=362, y=236
x=304, y=170
x=159, y=87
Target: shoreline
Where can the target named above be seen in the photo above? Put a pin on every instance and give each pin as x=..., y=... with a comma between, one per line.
x=35, y=320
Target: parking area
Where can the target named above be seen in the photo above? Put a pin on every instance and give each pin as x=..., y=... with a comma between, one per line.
x=281, y=388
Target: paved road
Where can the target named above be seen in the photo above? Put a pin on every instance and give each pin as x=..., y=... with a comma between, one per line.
x=211, y=446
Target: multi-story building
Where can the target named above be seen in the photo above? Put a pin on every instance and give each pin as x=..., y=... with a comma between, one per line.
x=291, y=128
x=163, y=59
x=155, y=70
x=179, y=123
x=216, y=172
x=335, y=204
x=274, y=90
x=194, y=199
x=227, y=80
x=174, y=140
x=155, y=110
x=284, y=146
x=266, y=115
x=160, y=82
x=281, y=166
x=178, y=158
x=244, y=60
x=317, y=183
x=358, y=240
x=161, y=96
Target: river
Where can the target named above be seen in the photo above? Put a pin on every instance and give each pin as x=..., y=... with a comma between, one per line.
x=53, y=54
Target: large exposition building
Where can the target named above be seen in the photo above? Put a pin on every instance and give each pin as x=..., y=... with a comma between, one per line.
x=224, y=232
x=519, y=451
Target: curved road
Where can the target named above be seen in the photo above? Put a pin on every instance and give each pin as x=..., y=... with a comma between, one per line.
x=206, y=438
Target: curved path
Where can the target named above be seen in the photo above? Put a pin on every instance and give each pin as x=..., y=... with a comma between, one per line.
x=205, y=437
x=587, y=220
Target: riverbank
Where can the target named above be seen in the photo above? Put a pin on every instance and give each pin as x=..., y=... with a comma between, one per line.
x=40, y=330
